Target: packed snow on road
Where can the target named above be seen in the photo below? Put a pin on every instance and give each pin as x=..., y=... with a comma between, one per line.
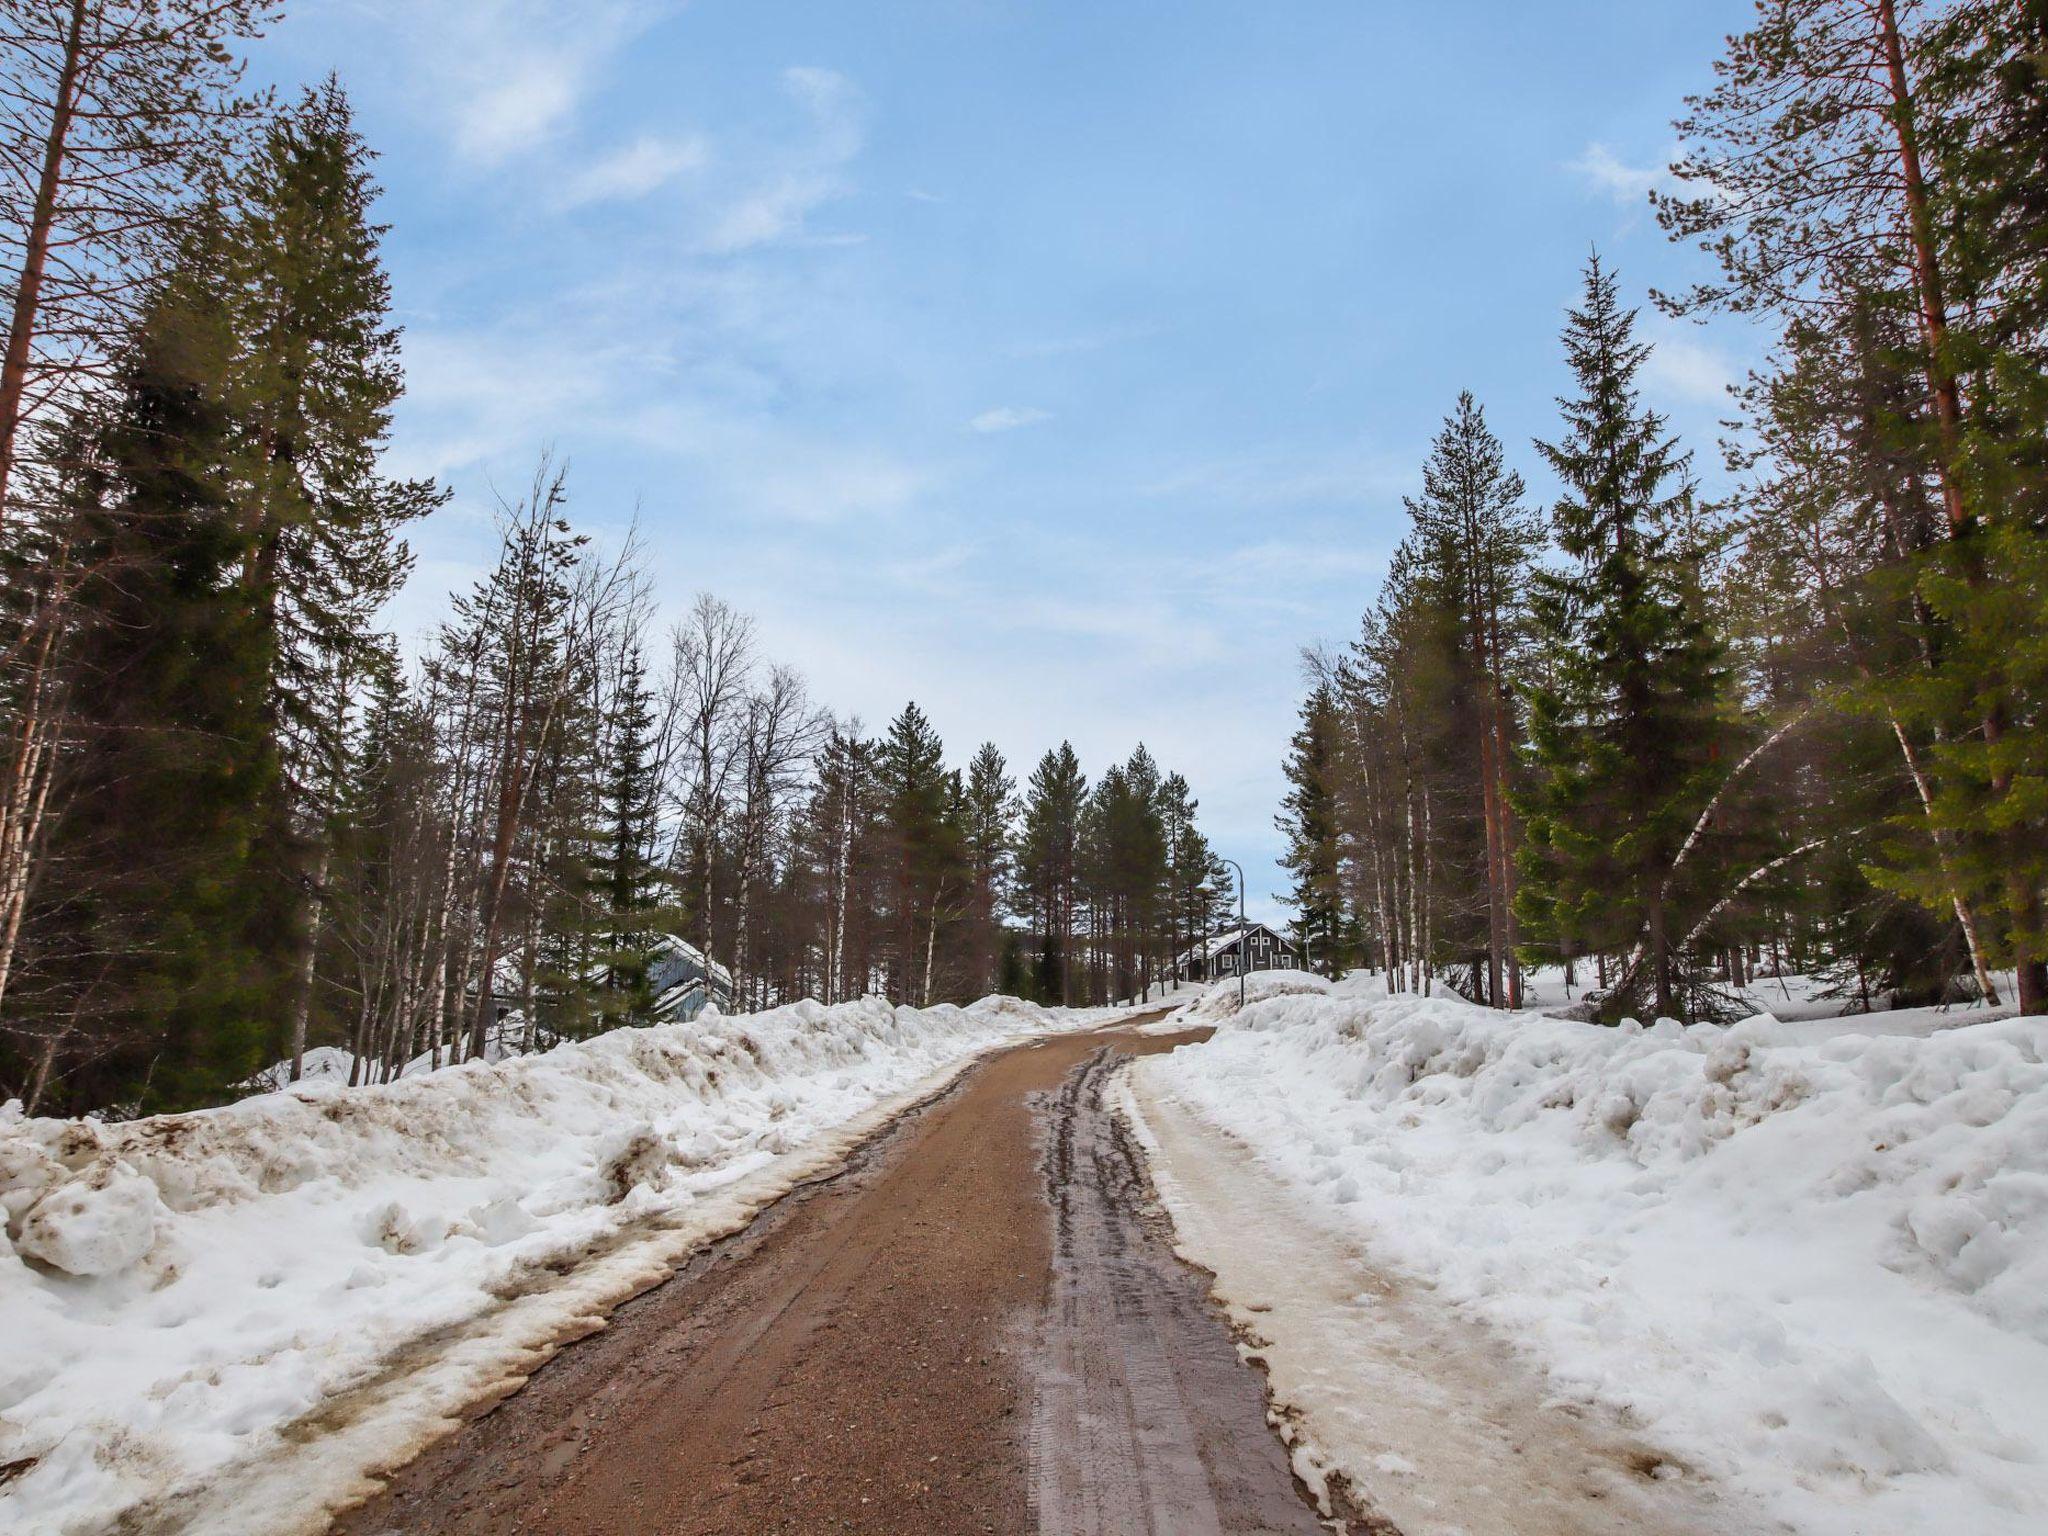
x=1809, y=1259
x=191, y=1294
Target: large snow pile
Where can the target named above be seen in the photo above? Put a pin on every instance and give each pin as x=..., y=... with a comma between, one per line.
x=1219, y=1002
x=176, y=1291
x=1813, y=1264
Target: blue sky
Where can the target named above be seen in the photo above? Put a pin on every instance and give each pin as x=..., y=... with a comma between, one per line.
x=1058, y=365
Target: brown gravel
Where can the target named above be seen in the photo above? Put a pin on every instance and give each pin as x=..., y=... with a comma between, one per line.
x=871, y=1354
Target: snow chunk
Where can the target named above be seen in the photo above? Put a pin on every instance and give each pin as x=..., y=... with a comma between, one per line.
x=97, y=1224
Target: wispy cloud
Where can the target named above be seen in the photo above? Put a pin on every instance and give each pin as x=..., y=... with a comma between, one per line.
x=1686, y=365
x=506, y=76
x=776, y=206
x=1601, y=169
x=1008, y=418
x=636, y=169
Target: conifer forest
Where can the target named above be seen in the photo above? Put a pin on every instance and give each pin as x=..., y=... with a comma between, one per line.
x=1669, y=741
x=1658, y=737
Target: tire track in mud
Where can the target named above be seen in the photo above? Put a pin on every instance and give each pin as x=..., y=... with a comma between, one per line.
x=1145, y=1420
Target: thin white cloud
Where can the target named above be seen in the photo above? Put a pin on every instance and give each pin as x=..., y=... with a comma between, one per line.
x=1690, y=368
x=525, y=104
x=1008, y=418
x=635, y=170
x=1606, y=172
x=776, y=207
x=507, y=76
x=771, y=212
x=835, y=106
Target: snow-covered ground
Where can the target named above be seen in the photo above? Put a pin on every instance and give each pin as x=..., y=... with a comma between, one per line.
x=1809, y=1260
x=219, y=1321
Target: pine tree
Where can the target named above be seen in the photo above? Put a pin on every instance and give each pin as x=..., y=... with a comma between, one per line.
x=990, y=809
x=1628, y=726
x=115, y=118
x=1048, y=865
x=1474, y=543
x=1309, y=821
x=1144, y=871
x=925, y=852
x=1988, y=111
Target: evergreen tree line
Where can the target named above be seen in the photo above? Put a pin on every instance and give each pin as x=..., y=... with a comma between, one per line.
x=557, y=793
x=236, y=824
x=1667, y=741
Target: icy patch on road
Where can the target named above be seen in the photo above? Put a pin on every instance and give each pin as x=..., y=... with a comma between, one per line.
x=1814, y=1265
x=180, y=1292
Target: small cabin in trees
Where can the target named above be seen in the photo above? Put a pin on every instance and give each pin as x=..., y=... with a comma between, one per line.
x=683, y=981
x=1255, y=947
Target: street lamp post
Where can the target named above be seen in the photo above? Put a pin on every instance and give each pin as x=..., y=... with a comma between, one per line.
x=1243, y=943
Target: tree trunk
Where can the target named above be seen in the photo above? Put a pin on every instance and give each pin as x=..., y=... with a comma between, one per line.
x=1941, y=377
x=1660, y=956
x=309, y=953
x=34, y=771
x=2030, y=970
x=40, y=1082
x=35, y=257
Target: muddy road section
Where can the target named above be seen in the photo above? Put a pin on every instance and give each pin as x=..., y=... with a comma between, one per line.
x=977, y=1326
x=1144, y=1417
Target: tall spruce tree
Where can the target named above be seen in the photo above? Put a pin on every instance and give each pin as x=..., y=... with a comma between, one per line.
x=316, y=373
x=1048, y=865
x=1308, y=818
x=166, y=935
x=1197, y=881
x=1627, y=727
x=989, y=809
x=927, y=861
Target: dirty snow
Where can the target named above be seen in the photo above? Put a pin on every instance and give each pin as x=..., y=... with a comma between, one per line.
x=1810, y=1258
x=179, y=1291
x=1443, y=1429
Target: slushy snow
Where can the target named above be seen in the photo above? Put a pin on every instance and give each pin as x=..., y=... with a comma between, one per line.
x=1811, y=1259
x=178, y=1291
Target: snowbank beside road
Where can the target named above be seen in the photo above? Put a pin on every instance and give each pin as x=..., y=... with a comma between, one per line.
x=178, y=1291
x=1816, y=1267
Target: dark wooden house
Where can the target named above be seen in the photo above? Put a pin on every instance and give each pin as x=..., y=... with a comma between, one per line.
x=1254, y=947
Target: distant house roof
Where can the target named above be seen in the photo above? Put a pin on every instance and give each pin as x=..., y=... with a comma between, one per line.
x=669, y=954
x=1215, y=945
x=667, y=944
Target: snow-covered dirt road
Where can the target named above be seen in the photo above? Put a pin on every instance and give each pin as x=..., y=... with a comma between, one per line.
x=915, y=1344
